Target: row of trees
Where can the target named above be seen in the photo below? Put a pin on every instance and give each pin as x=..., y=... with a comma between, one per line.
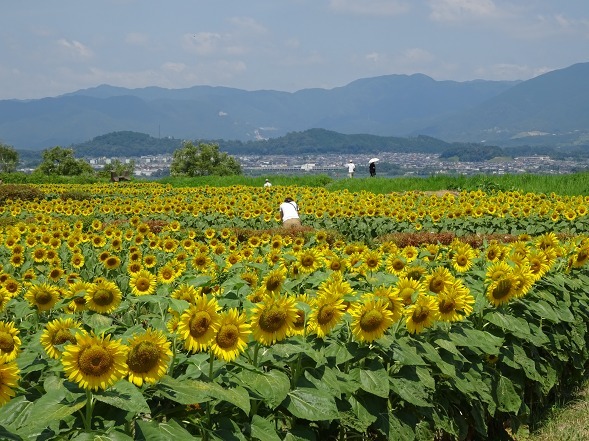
x=189, y=160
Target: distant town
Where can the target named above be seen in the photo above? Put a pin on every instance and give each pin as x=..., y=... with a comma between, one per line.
x=388, y=165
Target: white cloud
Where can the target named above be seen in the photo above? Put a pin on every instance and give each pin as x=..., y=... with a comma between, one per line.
x=370, y=7
x=173, y=67
x=75, y=48
x=203, y=43
x=248, y=24
x=458, y=10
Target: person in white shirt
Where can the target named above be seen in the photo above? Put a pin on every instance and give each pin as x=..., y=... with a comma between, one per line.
x=351, y=169
x=289, y=213
x=267, y=183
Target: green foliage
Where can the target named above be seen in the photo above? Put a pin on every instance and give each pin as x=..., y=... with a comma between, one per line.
x=132, y=143
x=60, y=161
x=203, y=160
x=471, y=152
x=8, y=159
x=118, y=168
x=76, y=195
x=21, y=192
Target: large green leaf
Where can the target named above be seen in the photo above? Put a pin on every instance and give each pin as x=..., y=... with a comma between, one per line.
x=271, y=386
x=182, y=392
x=125, y=396
x=263, y=429
x=410, y=388
x=48, y=410
x=406, y=354
x=373, y=379
x=473, y=338
x=311, y=404
x=508, y=400
x=154, y=431
x=237, y=396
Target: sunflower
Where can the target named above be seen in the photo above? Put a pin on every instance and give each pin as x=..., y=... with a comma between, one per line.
x=201, y=262
x=539, y=262
x=273, y=318
x=547, y=240
x=12, y=287
x=309, y=260
x=580, y=257
x=149, y=260
x=43, y=296
x=103, y=296
x=501, y=290
x=9, y=341
x=17, y=260
x=59, y=332
x=422, y=314
x=112, y=262
x=497, y=271
x=370, y=318
x=195, y=325
x=327, y=311
x=407, y=290
x=38, y=254
x=273, y=280
x=462, y=258
x=524, y=279
x=395, y=301
x=77, y=292
x=437, y=279
x=395, y=264
x=414, y=271
x=167, y=274
x=148, y=357
x=186, y=292
x=250, y=277
x=55, y=274
x=372, y=260
x=299, y=325
x=231, y=333
x=9, y=376
x=454, y=302
x=143, y=283
x=94, y=362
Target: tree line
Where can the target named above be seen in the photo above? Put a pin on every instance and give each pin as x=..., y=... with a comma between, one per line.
x=189, y=160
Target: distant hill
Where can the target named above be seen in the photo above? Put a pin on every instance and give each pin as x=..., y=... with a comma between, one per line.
x=312, y=141
x=551, y=109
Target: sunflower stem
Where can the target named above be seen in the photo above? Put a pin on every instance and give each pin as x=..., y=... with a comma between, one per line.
x=209, y=404
x=256, y=350
x=89, y=411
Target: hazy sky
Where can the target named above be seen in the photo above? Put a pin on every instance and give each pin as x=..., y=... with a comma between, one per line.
x=48, y=48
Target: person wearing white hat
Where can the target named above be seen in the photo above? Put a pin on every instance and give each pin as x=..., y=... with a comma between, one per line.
x=267, y=183
x=351, y=169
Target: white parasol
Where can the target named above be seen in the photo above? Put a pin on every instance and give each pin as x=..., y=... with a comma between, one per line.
x=373, y=160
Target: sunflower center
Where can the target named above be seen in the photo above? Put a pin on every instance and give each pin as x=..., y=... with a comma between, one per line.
x=502, y=289
x=43, y=297
x=325, y=314
x=143, y=357
x=62, y=336
x=142, y=284
x=80, y=301
x=462, y=260
x=6, y=342
x=273, y=284
x=398, y=265
x=228, y=336
x=413, y=275
x=103, y=297
x=307, y=261
x=446, y=306
x=299, y=322
x=335, y=265
x=436, y=285
x=272, y=320
x=95, y=360
x=420, y=314
x=199, y=324
x=371, y=320
x=372, y=263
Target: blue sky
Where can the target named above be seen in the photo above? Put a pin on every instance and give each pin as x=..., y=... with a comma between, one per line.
x=48, y=48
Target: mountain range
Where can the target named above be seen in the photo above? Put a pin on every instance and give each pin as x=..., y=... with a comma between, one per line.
x=550, y=109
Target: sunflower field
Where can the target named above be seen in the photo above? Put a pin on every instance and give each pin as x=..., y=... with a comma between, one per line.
x=140, y=311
